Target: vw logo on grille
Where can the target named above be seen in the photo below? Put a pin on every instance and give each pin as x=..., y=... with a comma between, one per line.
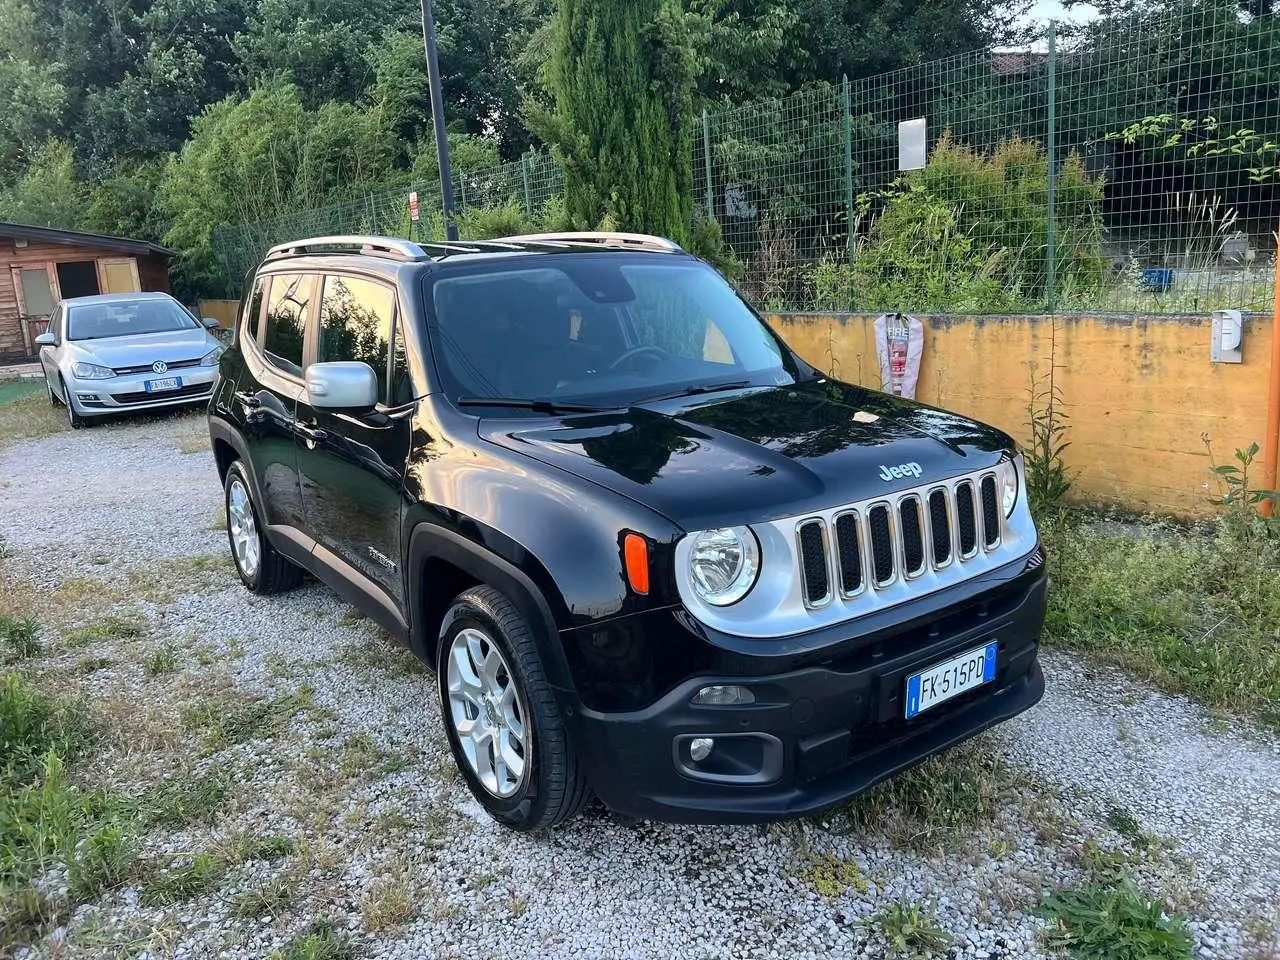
x=159, y=366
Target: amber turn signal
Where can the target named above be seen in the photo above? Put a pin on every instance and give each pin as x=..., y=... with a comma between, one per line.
x=635, y=551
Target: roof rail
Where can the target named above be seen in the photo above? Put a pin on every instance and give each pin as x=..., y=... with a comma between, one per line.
x=639, y=241
x=377, y=246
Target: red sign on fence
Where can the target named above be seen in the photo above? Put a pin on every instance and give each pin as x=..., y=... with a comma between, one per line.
x=413, y=206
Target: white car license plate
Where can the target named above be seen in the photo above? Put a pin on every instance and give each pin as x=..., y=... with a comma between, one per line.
x=168, y=383
x=939, y=684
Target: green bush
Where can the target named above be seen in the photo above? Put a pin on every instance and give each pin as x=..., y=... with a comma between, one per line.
x=968, y=234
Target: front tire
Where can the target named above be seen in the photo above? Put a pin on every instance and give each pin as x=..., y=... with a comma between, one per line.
x=261, y=567
x=500, y=715
x=76, y=421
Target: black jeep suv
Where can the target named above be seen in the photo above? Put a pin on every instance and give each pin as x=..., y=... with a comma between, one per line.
x=650, y=552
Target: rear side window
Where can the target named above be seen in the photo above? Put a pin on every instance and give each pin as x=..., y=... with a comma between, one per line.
x=356, y=323
x=284, y=327
x=253, y=311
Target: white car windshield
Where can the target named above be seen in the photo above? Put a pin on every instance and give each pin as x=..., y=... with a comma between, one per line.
x=126, y=318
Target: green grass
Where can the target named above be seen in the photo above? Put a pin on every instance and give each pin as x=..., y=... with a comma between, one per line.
x=106, y=629
x=910, y=930
x=161, y=661
x=269, y=899
x=203, y=874
x=1186, y=611
x=322, y=942
x=45, y=818
x=1114, y=921
x=229, y=720
x=939, y=804
x=20, y=635
x=29, y=417
x=187, y=798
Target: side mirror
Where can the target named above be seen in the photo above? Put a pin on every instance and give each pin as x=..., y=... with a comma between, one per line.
x=346, y=385
x=210, y=323
x=46, y=339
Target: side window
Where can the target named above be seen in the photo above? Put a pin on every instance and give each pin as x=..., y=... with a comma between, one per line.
x=253, y=310
x=356, y=321
x=285, y=325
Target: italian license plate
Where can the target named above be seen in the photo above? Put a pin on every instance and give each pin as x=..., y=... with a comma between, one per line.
x=940, y=683
x=168, y=383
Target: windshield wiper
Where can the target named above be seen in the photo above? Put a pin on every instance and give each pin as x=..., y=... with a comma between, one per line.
x=700, y=389
x=539, y=406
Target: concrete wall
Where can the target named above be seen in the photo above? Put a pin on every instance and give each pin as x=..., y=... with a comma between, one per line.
x=1139, y=391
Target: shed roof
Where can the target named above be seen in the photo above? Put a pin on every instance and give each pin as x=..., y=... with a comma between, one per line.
x=78, y=238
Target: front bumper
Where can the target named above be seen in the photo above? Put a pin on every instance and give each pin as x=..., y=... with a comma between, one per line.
x=129, y=393
x=818, y=735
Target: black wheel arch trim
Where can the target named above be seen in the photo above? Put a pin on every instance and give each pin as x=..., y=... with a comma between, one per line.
x=429, y=541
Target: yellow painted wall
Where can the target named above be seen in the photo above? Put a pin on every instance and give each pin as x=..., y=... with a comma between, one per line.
x=224, y=311
x=1139, y=391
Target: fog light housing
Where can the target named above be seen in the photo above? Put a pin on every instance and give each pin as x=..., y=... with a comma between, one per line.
x=728, y=695
x=700, y=748
x=87, y=396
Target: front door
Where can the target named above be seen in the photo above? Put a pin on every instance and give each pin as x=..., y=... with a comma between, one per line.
x=351, y=463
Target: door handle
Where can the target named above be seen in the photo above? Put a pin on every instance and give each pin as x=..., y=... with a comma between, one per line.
x=314, y=434
x=248, y=399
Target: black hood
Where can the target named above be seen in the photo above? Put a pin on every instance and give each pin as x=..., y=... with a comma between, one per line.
x=761, y=454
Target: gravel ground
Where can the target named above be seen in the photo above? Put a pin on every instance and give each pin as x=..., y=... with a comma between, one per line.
x=389, y=849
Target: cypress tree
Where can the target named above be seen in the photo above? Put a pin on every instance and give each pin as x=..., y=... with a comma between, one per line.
x=623, y=77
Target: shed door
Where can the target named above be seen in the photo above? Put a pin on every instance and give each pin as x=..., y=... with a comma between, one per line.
x=119, y=276
x=37, y=292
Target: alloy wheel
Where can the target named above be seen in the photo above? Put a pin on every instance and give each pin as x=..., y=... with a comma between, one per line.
x=487, y=713
x=243, y=529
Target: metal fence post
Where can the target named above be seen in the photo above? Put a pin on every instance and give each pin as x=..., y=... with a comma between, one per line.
x=706, y=160
x=524, y=175
x=1051, y=148
x=848, y=159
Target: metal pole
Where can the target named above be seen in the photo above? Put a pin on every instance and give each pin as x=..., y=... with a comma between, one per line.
x=1051, y=147
x=1271, y=447
x=706, y=157
x=437, y=117
x=848, y=160
x=524, y=175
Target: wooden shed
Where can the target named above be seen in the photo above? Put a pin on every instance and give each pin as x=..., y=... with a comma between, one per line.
x=40, y=266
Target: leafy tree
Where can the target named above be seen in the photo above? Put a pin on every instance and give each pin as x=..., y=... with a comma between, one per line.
x=48, y=193
x=623, y=78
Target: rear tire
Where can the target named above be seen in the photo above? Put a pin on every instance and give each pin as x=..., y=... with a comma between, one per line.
x=491, y=681
x=261, y=567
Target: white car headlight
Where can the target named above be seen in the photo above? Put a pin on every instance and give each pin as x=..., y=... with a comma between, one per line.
x=91, y=371
x=1007, y=484
x=211, y=358
x=724, y=564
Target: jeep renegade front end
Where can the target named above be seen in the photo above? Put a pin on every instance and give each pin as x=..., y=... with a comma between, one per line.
x=650, y=552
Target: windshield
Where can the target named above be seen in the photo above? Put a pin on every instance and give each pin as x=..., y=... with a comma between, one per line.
x=606, y=329
x=126, y=318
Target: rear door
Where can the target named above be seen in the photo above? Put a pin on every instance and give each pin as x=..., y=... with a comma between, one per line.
x=268, y=395
x=352, y=463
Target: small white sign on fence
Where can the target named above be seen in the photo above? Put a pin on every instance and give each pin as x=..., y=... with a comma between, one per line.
x=912, y=144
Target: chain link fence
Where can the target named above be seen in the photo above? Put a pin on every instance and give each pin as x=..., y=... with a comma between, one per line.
x=1162, y=195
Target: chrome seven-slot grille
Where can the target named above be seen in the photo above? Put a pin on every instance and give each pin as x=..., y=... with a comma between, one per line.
x=899, y=537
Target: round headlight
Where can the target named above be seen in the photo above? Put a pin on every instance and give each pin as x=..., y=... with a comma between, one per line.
x=724, y=564
x=1007, y=483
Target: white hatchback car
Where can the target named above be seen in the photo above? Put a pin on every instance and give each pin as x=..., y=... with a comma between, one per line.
x=125, y=352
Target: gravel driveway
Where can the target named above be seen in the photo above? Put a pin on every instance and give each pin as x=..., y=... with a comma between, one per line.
x=387, y=847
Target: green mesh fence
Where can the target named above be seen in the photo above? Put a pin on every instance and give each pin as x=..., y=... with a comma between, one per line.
x=1131, y=165
x=529, y=184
